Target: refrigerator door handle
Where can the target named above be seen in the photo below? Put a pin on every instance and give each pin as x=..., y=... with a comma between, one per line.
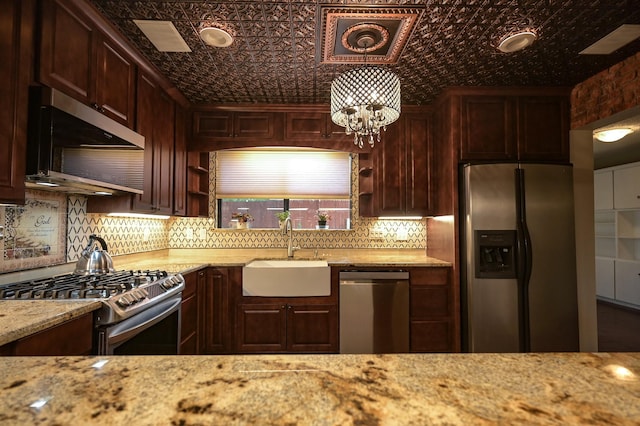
x=524, y=262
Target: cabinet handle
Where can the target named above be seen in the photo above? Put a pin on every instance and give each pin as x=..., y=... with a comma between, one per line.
x=95, y=106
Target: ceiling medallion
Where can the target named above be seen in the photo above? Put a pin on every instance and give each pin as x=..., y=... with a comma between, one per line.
x=386, y=31
x=364, y=37
x=517, y=41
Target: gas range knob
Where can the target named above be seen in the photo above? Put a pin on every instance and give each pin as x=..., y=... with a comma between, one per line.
x=122, y=302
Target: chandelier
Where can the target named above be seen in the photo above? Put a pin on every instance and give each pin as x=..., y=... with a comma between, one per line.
x=364, y=101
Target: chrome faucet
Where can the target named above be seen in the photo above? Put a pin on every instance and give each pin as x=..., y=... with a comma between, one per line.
x=288, y=227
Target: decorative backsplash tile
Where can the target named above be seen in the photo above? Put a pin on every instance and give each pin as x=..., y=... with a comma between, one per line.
x=69, y=227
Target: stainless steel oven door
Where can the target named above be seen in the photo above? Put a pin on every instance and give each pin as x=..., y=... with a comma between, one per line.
x=154, y=331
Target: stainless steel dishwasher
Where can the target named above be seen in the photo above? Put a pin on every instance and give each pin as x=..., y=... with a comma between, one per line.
x=374, y=312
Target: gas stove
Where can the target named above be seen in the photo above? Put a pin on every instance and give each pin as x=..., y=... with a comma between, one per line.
x=123, y=293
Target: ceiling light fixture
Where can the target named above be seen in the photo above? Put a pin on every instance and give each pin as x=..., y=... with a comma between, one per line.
x=517, y=41
x=216, y=37
x=612, y=135
x=365, y=100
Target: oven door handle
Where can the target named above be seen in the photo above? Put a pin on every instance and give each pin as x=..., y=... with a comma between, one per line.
x=140, y=322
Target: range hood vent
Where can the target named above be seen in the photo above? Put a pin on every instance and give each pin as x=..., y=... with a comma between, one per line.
x=73, y=148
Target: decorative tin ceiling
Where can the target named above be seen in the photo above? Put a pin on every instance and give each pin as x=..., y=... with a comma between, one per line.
x=277, y=55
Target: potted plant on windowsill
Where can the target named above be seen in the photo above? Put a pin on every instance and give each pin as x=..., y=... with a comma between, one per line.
x=323, y=217
x=242, y=220
x=282, y=216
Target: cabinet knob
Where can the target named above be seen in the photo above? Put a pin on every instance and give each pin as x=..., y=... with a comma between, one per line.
x=95, y=106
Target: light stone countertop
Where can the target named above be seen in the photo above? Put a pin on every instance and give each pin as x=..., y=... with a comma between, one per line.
x=22, y=318
x=403, y=389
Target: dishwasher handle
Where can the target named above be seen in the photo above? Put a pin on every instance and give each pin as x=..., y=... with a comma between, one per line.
x=373, y=275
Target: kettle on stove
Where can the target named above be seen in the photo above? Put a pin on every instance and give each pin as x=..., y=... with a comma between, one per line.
x=94, y=258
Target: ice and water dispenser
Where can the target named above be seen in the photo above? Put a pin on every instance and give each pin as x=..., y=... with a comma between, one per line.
x=495, y=253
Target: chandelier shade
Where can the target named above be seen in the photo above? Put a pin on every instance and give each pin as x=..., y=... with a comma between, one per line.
x=364, y=101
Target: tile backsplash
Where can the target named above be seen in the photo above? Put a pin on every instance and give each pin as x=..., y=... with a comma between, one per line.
x=70, y=226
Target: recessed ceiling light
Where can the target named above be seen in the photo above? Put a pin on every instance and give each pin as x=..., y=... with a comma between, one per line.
x=517, y=41
x=612, y=135
x=216, y=37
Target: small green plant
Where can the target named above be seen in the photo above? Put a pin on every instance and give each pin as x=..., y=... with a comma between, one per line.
x=323, y=216
x=282, y=216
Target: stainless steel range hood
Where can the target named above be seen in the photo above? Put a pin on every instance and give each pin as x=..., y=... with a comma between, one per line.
x=76, y=149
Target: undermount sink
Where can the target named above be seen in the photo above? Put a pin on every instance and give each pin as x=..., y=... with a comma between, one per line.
x=286, y=278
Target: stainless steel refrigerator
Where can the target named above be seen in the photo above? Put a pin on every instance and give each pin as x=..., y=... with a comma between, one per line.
x=518, y=258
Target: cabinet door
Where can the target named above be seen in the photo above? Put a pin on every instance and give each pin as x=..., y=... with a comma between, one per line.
x=312, y=328
x=488, y=130
x=304, y=126
x=605, y=278
x=180, y=164
x=189, y=316
x=155, y=118
x=603, y=190
x=115, y=83
x=389, y=161
x=212, y=124
x=254, y=125
x=216, y=326
x=626, y=193
x=163, y=153
x=627, y=275
x=418, y=165
x=261, y=328
x=67, y=51
x=16, y=39
x=73, y=337
x=543, y=128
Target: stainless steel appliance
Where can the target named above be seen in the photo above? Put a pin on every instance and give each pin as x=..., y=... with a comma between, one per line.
x=140, y=311
x=374, y=312
x=518, y=258
x=74, y=148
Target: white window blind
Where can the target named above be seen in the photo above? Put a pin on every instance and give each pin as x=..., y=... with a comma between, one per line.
x=282, y=174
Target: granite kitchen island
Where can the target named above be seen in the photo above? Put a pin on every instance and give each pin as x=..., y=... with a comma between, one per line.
x=459, y=389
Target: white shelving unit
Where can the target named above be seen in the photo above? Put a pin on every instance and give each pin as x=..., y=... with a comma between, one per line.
x=617, y=232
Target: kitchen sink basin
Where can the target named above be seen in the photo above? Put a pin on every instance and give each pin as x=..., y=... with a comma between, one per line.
x=286, y=278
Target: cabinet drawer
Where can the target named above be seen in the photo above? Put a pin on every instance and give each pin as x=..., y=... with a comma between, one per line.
x=430, y=276
x=430, y=301
x=431, y=336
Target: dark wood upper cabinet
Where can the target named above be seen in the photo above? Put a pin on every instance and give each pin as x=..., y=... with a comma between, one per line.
x=488, y=130
x=156, y=115
x=232, y=125
x=397, y=171
x=514, y=125
x=16, y=56
x=82, y=62
x=543, y=128
x=306, y=126
x=180, y=163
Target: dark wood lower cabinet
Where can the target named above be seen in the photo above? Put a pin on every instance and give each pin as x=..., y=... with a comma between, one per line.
x=286, y=327
x=189, y=315
x=214, y=300
x=71, y=338
x=432, y=311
